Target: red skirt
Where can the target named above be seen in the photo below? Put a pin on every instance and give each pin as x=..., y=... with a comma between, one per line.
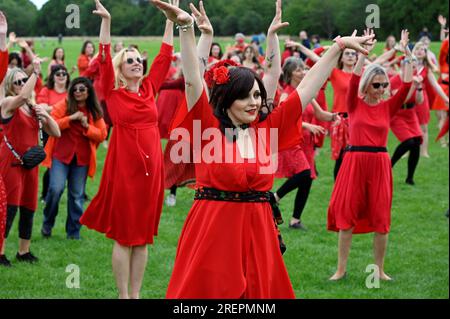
x=439, y=104
x=2, y=211
x=167, y=103
x=405, y=125
x=180, y=174
x=362, y=194
x=339, y=138
x=229, y=250
x=291, y=161
x=309, y=151
x=423, y=111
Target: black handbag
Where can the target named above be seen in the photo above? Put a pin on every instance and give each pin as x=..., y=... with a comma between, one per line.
x=34, y=156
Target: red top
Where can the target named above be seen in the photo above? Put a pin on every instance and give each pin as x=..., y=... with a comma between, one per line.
x=369, y=124
x=50, y=97
x=340, y=82
x=73, y=143
x=443, y=59
x=3, y=64
x=83, y=64
x=93, y=73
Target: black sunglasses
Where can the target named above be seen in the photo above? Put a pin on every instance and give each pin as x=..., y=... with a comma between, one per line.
x=80, y=89
x=377, y=85
x=62, y=73
x=131, y=60
x=20, y=82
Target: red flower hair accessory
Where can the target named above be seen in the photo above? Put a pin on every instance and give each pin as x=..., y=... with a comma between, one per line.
x=218, y=77
x=221, y=75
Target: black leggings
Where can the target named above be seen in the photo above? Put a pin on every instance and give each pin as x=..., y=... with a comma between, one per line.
x=173, y=190
x=412, y=146
x=25, y=221
x=302, y=181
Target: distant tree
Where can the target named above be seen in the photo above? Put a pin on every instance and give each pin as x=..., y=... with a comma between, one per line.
x=21, y=15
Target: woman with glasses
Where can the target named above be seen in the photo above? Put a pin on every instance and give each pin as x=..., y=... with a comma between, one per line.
x=54, y=92
x=128, y=205
x=21, y=127
x=362, y=196
x=72, y=156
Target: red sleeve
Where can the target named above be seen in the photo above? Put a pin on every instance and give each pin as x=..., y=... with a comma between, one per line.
x=42, y=97
x=177, y=84
x=92, y=70
x=160, y=67
x=202, y=113
x=3, y=64
x=443, y=55
x=287, y=118
x=106, y=69
x=399, y=98
x=352, y=93
x=317, y=51
x=82, y=64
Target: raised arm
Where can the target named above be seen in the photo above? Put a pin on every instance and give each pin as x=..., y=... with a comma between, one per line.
x=443, y=22
x=11, y=104
x=310, y=54
x=408, y=76
x=321, y=71
x=273, y=54
x=3, y=32
x=206, y=38
x=105, y=28
x=189, y=55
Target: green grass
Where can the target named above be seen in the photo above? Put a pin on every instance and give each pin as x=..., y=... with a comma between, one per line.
x=418, y=251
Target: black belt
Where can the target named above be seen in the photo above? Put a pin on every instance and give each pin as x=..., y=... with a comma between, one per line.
x=343, y=114
x=207, y=193
x=408, y=106
x=370, y=149
x=444, y=82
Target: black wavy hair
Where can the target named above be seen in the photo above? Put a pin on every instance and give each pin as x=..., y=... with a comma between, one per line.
x=15, y=56
x=238, y=87
x=92, y=103
x=85, y=44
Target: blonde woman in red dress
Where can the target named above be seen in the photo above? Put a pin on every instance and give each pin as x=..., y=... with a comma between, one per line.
x=228, y=247
x=362, y=195
x=128, y=205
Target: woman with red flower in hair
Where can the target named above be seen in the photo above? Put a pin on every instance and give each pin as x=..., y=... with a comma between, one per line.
x=228, y=246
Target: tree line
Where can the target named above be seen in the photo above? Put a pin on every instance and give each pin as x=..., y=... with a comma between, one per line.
x=326, y=18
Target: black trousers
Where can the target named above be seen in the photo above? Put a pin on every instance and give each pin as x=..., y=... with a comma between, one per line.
x=25, y=221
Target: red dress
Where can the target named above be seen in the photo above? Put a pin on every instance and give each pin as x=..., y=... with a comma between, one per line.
x=127, y=207
x=293, y=160
x=362, y=194
x=83, y=64
x=439, y=103
x=405, y=124
x=230, y=249
x=50, y=97
x=423, y=109
x=340, y=133
x=3, y=70
x=21, y=184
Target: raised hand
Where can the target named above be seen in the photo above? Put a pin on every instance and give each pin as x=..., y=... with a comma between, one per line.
x=101, y=10
x=404, y=41
x=12, y=37
x=201, y=18
x=358, y=43
x=173, y=13
x=369, y=46
x=3, y=24
x=37, y=64
x=22, y=43
x=277, y=23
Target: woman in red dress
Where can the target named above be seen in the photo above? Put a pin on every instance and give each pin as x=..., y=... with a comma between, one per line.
x=405, y=124
x=297, y=163
x=439, y=104
x=21, y=127
x=228, y=247
x=87, y=54
x=127, y=207
x=431, y=87
x=362, y=195
x=3, y=70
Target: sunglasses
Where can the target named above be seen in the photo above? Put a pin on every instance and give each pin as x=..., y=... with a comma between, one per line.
x=131, y=60
x=350, y=53
x=378, y=85
x=61, y=74
x=20, y=82
x=80, y=89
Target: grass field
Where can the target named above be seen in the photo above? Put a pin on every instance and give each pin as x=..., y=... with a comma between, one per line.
x=417, y=257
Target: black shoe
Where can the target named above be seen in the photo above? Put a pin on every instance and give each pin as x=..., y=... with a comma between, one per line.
x=27, y=257
x=298, y=225
x=4, y=261
x=410, y=181
x=46, y=234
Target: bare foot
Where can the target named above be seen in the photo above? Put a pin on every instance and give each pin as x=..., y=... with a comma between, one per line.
x=385, y=277
x=338, y=276
x=426, y=155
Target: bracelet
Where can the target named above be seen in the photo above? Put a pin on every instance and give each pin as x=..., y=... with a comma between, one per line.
x=339, y=42
x=184, y=28
x=333, y=117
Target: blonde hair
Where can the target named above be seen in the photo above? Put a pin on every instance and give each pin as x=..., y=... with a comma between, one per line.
x=370, y=72
x=117, y=61
x=9, y=86
x=426, y=60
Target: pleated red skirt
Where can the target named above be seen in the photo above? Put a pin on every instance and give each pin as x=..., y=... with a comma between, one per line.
x=362, y=194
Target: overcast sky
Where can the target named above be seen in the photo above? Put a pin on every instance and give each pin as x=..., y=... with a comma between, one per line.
x=39, y=3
